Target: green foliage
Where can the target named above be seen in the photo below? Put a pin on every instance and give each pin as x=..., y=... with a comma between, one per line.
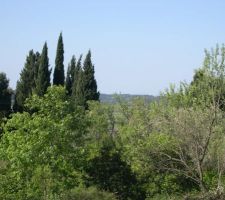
x=165, y=197
x=4, y=84
x=5, y=94
x=110, y=173
x=81, y=83
x=79, y=95
x=150, y=145
x=87, y=85
x=90, y=82
x=106, y=167
x=27, y=82
x=172, y=148
x=70, y=75
x=76, y=78
x=43, y=76
x=43, y=151
x=74, y=75
x=58, y=76
x=90, y=193
x=207, y=87
x=198, y=121
x=5, y=100
x=101, y=122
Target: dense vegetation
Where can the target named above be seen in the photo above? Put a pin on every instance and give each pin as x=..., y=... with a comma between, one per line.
x=112, y=98
x=61, y=142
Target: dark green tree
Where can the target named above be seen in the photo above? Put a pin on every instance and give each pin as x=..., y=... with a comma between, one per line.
x=37, y=63
x=84, y=84
x=77, y=72
x=110, y=173
x=5, y=100
x=79, y=91
x=43, y=76
x=90, y=84
x=26, y=84
x=5, y=95
x=58, y=77
x=70, y=75
x=4, y=84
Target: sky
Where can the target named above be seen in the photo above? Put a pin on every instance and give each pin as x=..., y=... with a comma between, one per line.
x=138, y=46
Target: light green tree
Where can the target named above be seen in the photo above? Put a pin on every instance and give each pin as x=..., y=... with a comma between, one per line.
x=43, y=151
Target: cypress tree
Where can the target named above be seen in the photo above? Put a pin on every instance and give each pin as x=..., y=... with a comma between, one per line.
x=43, y=76
x=58, y=77
x=68, y=80
x=4, y=84
x=5, y=94
x=70, y=75
x=79, y=93
x=85, y=85
x=37, y=63
x=76, y=76
x=26, y=83
x=90, y=84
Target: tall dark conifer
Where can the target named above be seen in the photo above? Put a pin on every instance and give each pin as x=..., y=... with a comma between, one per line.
x=43, y=76
x=5, y=94
x=58, y=76
x=79, y=95
x=76, y=77
x=85, y=86
x=70, y=75
x=26, y=83
x=37, y=63
x=90, y=84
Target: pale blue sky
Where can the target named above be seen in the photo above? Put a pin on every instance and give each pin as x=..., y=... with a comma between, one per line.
x=138, y=46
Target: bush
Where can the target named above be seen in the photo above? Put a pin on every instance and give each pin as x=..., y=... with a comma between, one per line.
x=90, y=193
x=211, y=195
x=165, y=197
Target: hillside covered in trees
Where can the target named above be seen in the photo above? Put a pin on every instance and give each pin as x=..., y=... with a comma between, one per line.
x=58, y=141
x=112, y=98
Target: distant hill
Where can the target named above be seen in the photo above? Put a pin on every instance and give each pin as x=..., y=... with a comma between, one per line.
x=110, y=98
